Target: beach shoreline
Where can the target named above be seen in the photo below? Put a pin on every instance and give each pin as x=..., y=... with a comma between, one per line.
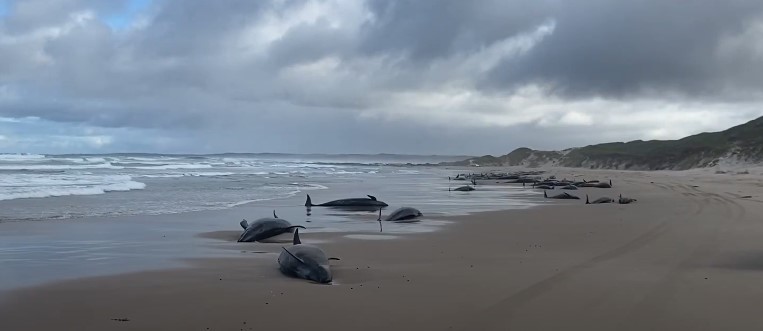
x=666, y=262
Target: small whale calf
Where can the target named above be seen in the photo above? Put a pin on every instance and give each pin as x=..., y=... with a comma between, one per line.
x=401, y=214
x=371, y=201
x=305, y=261
x=265, y=228
x=625, y=201
x=564, y=195
x=599, y=200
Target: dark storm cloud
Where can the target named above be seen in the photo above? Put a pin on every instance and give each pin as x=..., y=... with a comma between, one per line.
x=379, y=76
x=427, y=30
x=622, y=48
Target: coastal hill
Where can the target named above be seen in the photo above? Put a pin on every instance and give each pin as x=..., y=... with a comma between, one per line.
x=741, y=144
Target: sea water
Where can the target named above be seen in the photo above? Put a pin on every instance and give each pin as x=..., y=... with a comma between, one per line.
x=69, y=216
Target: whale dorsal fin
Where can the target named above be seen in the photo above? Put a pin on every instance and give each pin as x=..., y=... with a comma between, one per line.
x=296, y=240
x=372, y=197
x=294, y=256
x=244, y=224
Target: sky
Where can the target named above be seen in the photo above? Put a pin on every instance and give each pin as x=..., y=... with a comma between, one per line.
x=412, y=77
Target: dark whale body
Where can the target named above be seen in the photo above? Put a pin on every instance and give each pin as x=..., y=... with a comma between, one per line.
x=563, y=196
x=305, y=261
x=465, y=188
x=353, y=202
x=625, y=201
x=265, y=228
x=599, y=200
x=402, y=214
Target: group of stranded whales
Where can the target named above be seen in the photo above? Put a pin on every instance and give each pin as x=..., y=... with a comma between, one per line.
x=549, y=183
x=308, y=261
x=311, y=262
x=620, y=200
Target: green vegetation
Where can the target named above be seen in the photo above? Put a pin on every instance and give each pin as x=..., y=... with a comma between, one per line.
x=743, y=143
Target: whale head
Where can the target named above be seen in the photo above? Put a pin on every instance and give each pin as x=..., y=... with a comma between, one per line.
x=307, y=268
x=315, y=272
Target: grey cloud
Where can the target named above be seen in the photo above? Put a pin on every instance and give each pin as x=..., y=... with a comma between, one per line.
x=626, y=48
x=426, y=30
x=387, y=76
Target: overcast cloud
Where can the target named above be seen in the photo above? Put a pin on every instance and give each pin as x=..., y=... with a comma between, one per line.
x=426, y=77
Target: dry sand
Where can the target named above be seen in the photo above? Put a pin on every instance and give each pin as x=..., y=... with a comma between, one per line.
x=681, y=258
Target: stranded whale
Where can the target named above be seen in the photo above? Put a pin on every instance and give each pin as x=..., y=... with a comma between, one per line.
x=305, y=261
x=264, y=228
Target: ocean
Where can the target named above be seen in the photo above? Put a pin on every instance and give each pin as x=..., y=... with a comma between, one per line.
x=33, y=187
x=69, y=216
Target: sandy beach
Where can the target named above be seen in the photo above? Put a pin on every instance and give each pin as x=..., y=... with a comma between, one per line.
x=687, y=256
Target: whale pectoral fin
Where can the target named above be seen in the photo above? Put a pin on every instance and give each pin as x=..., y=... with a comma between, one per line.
x=334, y=258
x=244, y=224
x=294, y=256
x=372, y=197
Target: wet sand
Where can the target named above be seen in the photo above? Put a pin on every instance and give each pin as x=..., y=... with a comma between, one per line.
x=687, y=256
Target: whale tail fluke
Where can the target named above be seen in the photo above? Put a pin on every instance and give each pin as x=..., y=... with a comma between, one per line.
x=308, y=202
x=244, y=224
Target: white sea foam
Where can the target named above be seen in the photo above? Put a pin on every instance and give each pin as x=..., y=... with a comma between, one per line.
x=305, y=186
x=21, y=157
x=106, y=165
x=305, y=165
x=189, y=174
x=171, y=166
x=20, y=186
x=342, y=172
